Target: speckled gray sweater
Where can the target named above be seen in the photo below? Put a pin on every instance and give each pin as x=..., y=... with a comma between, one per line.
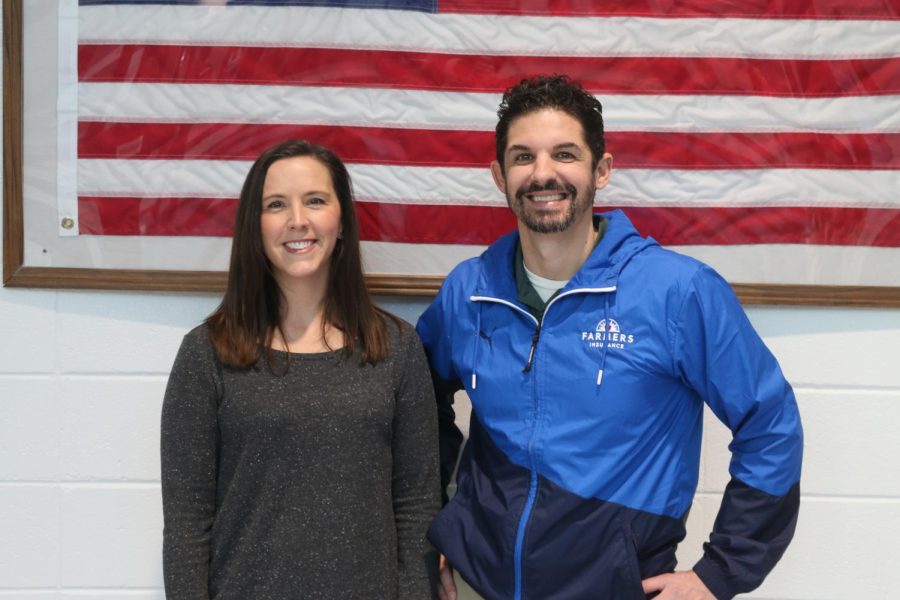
x=316, y=484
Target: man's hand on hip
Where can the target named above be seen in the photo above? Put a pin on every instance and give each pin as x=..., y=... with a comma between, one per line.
x=681, y=585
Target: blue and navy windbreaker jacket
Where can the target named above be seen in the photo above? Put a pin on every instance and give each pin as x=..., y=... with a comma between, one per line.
x=584, y=444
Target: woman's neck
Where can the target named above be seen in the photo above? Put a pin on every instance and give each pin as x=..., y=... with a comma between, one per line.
x=303, y=325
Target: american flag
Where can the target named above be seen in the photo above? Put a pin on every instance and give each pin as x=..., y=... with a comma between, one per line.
x=742, y=131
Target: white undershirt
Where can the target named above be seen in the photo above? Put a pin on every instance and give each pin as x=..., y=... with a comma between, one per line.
x=544, y=287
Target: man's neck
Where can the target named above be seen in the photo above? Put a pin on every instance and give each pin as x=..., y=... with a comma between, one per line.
x=557, y=256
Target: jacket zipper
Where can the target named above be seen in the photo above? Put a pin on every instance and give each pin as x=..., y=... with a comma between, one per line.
x=534, y=341
x=520, y=533
x=533, y=480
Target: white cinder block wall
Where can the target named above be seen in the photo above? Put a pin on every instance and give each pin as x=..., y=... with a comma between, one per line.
x=83, y=374
x=81, y=381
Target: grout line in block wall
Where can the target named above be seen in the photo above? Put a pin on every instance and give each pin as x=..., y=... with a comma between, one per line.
x=817, y=497
x=78, y=591
x=117, y=374
x=57, y=359
x=139, y=484
x=57, y=365
x=91, y=376
x=136, y=484
x=844, y=389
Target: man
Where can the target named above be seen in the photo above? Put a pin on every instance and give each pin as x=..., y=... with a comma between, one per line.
x=588, y=352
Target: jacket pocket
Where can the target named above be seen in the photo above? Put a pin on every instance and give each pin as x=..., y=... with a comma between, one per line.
x=626, y=579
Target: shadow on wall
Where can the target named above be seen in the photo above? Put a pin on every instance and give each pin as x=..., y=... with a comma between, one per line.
x=783, y=321
x=166, y=309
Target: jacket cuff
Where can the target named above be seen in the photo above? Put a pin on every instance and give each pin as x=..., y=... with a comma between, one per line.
x=714, y=579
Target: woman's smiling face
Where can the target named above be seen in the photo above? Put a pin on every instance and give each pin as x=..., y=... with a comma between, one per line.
x=301, y=219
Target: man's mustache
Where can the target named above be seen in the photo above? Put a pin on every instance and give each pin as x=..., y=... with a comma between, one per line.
x=547, y=186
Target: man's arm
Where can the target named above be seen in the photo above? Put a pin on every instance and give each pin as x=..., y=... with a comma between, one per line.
x=436, y=338
x=451, y=438
x=751, y=532
x=720, y=355
x=434, y=329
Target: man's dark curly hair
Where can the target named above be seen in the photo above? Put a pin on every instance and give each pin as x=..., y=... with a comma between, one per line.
x=556, y=92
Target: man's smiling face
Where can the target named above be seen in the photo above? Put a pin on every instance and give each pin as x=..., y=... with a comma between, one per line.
x=547, y=177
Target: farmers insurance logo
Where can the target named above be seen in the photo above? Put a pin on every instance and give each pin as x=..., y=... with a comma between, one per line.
x=610, y=335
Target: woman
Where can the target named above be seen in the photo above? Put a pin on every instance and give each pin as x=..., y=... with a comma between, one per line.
x=299, y=434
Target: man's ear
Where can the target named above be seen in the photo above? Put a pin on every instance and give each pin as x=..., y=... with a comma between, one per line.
x=499, y=177
x=603, y=170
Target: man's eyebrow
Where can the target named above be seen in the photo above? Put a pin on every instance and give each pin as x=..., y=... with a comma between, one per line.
x=563, y=146
x=518, y=148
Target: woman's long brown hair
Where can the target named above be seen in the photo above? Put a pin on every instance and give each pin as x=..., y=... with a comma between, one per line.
x=242, y=327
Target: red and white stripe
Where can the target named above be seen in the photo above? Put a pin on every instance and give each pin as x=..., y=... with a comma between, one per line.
x=773, y=125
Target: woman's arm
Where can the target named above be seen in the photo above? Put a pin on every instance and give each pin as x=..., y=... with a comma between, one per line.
x=416, y=474
x=189, y=450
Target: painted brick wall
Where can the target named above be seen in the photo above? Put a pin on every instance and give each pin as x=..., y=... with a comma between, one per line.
x=80, y=393
x=83, y=374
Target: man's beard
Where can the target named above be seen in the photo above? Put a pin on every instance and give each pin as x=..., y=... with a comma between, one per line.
x=538, y=223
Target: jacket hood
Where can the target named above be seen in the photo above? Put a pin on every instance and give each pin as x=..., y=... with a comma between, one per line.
x=620, y=243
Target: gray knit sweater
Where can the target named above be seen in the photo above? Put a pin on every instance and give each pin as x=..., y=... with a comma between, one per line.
x=316, y=484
